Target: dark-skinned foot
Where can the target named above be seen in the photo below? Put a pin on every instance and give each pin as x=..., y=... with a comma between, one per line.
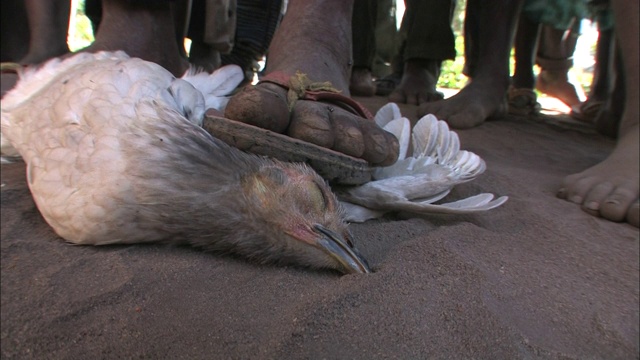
x=477, y=101
x=361, y=83
x=610, y=188
x=323, y=56
x=150, y=33
x=325, y=124
x=418, y=83
x=558, y=85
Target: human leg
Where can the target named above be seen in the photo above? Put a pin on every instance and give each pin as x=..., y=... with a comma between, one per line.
x=603, y=77
x=150, y=30
x=429, y=41
x=610, y=188
x=48, y=27
x=522, y=99
x=484, y=95
x=365, y=13
x=314, y=38
x=555, y=57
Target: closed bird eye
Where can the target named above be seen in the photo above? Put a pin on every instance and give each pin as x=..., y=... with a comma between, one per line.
x=316, y=198
x=349, y=238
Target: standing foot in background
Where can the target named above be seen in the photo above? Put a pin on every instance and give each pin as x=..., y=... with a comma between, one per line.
x=558, y=85
x=610, y=189
x=490, y=28
x=361, y=83
x=476, y=102
x=418, y=84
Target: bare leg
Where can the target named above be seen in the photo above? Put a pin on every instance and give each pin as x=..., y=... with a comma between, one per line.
x=361, y=83
x=484, y=95
x=315, y=39
x=48, y=27
x=363, y=27
x=430, y=40
x=591, y=110
x=522, y=98
x=526, y=47
x=607, y=119
x=600, y=86
x=150, y=30
x=555, y=58
x=610, y=188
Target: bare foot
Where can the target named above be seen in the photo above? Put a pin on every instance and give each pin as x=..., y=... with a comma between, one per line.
x=151, y=33
x=557, y=84
x=476, y=102
x=326, y=124
x=418, y=84
x=610, y=188
x=362, y=82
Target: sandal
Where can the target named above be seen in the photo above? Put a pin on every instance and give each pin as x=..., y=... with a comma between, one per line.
x=587, y=111
x=522, y=101
x=386, y=85
x=335, y=167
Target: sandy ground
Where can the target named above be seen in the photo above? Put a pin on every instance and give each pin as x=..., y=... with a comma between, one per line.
x=535, y=278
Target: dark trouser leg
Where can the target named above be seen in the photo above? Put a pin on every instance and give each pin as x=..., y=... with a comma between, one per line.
x=364, y=47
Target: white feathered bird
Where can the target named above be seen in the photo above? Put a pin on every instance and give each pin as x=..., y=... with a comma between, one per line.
x=115, y=154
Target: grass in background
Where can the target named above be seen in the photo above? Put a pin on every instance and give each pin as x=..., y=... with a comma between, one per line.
x=80, y=30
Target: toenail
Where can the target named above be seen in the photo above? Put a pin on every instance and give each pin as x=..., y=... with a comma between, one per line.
x=593, y=205
x=612, y=202
x=577, y=199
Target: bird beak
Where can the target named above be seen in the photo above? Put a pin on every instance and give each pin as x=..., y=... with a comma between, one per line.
x=334, y=245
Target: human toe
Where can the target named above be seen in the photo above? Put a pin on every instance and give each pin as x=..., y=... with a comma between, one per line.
x=335, y=128
x=435, y=108
x=596, y=196
x=464, y=119
x=263, y=105
x=398, y=96
x=616, y=206
x=575, y=188
x=381, y=148
x=311, y=123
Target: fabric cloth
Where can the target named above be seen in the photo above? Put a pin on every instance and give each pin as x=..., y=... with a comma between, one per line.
x=426, y=27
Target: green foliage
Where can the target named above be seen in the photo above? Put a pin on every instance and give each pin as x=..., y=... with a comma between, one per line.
x=451, y=73
x=81, y=35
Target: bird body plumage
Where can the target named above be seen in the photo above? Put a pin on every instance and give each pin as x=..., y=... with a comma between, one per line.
x=115, y=155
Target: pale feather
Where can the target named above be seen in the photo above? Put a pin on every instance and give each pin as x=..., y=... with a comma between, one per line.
x=434, y=166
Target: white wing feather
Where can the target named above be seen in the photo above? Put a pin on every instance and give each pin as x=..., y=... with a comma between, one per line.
x=217, y=86
x=415, y=182
x=387, y=113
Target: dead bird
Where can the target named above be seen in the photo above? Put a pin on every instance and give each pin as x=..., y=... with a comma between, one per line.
x=115, y=155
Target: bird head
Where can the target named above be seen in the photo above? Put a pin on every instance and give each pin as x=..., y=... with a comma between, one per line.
x=297, y=213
